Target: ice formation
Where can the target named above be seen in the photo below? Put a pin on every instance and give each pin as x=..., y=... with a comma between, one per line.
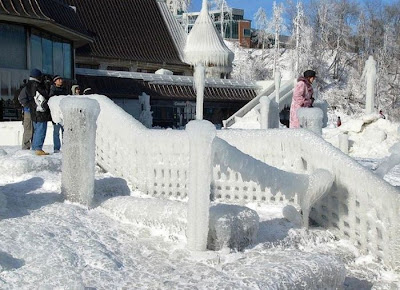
x=389, y=162
x=146, y=116
x=232, y=226
x=319, y=184
x=204, y=45
x=156, y=162
x=292, y=214
x=269, y=113
x=323, y=105
x=199, y=81
x=369, y=75
x=277, y=79
x=344, y=142
x=201, y=135
x=79, y=145
x=311, y=119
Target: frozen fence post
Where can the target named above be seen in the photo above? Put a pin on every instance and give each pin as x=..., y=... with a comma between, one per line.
x=323, y=105
x=79, y=142
x=344, y=143
x=311, y=118
x=145, y=117
x=277, y=85
x=201, y=135
x=269, y=113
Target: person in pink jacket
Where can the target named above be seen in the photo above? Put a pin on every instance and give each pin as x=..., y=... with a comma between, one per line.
x=302, y=96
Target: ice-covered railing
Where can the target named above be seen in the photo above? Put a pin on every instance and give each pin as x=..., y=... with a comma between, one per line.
x=285, y=92
x=360, y=206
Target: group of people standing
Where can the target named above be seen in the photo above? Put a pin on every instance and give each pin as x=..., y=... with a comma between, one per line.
x=34, y=97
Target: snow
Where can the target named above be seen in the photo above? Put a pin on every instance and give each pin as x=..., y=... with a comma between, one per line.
x=48, y=243
x=128, y=239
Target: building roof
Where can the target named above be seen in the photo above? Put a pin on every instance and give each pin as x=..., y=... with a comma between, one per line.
x=51, y=15
x=135, y=30
x=118, y=87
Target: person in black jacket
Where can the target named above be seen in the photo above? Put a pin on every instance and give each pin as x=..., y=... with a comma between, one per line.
x=57, y=89
x=34, y=97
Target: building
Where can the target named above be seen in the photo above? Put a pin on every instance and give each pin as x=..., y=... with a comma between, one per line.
x=135, y=35
x=235, y=27
x=172, y=98
x=36, y=34
x=177, y=7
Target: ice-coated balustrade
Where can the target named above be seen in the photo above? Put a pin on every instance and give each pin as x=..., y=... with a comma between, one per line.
x=360, y=206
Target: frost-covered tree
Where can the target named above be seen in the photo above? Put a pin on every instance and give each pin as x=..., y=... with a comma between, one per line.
x=221, y=5
x=261, y=20
x=277, y=26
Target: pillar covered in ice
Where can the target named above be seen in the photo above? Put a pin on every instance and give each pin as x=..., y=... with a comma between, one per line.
x=79, y=144
x=311, y=118
x=277, y=78
x=201, y=135
x=344, y=142
x=146, y=116
x=269, y=113
x=369, y=76
x=206, y=51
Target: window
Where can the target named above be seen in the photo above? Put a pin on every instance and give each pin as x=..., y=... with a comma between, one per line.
x=47, y=56
x=51, y=55
x=12, y=46
x=36, y=52
x=246, y=33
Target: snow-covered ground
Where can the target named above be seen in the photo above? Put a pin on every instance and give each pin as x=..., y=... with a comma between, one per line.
x=48, y=243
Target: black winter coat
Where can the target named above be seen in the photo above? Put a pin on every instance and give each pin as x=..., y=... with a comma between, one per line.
x=57, y=91
x=26, y=98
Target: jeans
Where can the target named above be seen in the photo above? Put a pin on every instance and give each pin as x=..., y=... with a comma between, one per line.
x=56, y=135
x=39, y=134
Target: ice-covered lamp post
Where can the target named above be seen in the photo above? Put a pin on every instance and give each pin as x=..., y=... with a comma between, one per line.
x=79, y=144
x=201, y=135
x=207, y=52
x=369, y=75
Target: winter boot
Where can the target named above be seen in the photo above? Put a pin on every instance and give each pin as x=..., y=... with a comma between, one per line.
x=41, y=152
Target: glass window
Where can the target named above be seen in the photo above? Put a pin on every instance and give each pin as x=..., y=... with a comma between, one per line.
x=67, y=60
x=12, y=46
x=58, y=59
x=51, y=55
x=47, y=56
x=36, y=52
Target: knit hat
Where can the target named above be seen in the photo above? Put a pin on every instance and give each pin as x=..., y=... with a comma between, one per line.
x=56, y=77
x=35, y=73
x=309, y=74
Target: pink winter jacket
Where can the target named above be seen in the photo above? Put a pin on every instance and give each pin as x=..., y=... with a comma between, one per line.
x=302, y=97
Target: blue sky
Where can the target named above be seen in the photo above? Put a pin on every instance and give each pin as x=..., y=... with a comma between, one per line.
x=251, y=6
